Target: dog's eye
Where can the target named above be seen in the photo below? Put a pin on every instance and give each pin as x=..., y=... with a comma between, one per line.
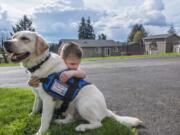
x=24, y=38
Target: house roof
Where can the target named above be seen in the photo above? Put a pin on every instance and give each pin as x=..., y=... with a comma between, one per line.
x=92, y=43
x=160, y=36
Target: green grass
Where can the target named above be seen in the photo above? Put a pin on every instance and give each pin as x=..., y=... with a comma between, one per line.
x=8, y=64
x=133, y=56
x=16, y=104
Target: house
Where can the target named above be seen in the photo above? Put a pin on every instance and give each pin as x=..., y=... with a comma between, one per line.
x=53, y=47
x=177, y=48
x=160, y=43
x=96, y=48
x=1, y=58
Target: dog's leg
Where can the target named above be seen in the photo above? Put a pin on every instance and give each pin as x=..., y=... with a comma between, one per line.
x=47, y=113
x=66, y=120
x=37, y=107
x=91, y=115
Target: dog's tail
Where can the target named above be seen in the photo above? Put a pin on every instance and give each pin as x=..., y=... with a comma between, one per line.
x=129, y=121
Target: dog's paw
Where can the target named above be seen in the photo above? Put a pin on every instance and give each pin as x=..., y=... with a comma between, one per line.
x=80, y=128
x=31, y=114
x=136, y=122
x=37, y=133
x=61, y=121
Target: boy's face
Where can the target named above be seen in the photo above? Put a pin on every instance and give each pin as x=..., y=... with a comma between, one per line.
x=72, y=62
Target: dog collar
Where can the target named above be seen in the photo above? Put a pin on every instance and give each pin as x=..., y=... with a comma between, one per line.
x=34, y=68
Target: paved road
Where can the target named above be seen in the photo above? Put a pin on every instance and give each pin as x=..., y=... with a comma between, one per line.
x=145, y=88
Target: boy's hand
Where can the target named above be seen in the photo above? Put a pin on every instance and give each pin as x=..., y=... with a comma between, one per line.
x=34, y=81
x=65, y=76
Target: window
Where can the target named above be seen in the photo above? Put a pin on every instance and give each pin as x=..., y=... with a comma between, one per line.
x=98, y=50
x=115, y=49
x=153, y=45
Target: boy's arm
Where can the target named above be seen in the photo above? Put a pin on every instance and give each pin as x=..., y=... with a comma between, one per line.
x=79, y=73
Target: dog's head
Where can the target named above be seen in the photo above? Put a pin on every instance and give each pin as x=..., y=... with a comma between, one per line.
x=25, y=44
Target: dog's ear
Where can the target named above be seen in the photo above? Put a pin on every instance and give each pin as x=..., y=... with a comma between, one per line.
x=41, y=45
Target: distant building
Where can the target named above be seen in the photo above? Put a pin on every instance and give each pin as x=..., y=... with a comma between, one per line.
x=163, y=43
x=96, y=48
x=2, y=60
x=177, y=48
x=53, y=47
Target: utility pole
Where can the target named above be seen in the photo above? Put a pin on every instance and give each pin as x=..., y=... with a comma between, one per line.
x=3, y=38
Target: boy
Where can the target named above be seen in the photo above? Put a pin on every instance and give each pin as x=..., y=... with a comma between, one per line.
x=71, y=54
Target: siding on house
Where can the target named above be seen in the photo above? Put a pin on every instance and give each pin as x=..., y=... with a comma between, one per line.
x=176, y=48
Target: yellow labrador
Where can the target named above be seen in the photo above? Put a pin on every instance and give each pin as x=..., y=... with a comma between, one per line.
x=32, y=50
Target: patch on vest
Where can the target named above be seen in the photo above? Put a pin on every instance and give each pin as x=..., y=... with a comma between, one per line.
x=59, y=88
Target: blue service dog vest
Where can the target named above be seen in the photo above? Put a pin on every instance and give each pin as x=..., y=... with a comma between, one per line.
x=67, y=91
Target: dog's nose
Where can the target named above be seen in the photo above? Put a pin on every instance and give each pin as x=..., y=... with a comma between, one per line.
x=7, y=43
x=7, y=46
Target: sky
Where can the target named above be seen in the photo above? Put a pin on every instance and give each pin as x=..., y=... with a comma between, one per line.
x=60, y=19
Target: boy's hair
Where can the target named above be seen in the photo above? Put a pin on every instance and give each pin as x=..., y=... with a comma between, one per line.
x=71, y=48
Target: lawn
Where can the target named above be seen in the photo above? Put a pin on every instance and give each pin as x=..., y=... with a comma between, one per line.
x=16, y=104
x=8, y=64
x=133, y=56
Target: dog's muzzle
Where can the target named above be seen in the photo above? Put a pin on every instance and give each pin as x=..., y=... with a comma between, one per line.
x=15, y=57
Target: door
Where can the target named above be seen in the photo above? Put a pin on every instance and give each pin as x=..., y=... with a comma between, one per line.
x=107, y=51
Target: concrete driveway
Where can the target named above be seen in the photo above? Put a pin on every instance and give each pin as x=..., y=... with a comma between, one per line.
x=144, y=88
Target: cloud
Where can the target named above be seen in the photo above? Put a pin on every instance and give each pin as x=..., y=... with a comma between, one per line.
x=5, y=24
x=117, y=24
x=61, y=19
x=57, y=19
x=150, y=5
x=103, y=5
x=155, y=18
x=146, y=13
x=172, y=13
x=153, y=14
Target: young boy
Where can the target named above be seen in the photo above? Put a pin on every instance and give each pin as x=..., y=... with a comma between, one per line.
x=71, y=54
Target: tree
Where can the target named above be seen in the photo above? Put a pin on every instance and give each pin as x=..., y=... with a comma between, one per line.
x=102, y=36
x=90, y=30
x=136, y=28
x=138, y=36
x=24, y=24
x=171, y=30
x=86, y=30
x=82, y=29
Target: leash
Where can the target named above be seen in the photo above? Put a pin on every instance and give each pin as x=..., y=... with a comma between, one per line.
x=68, y=97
